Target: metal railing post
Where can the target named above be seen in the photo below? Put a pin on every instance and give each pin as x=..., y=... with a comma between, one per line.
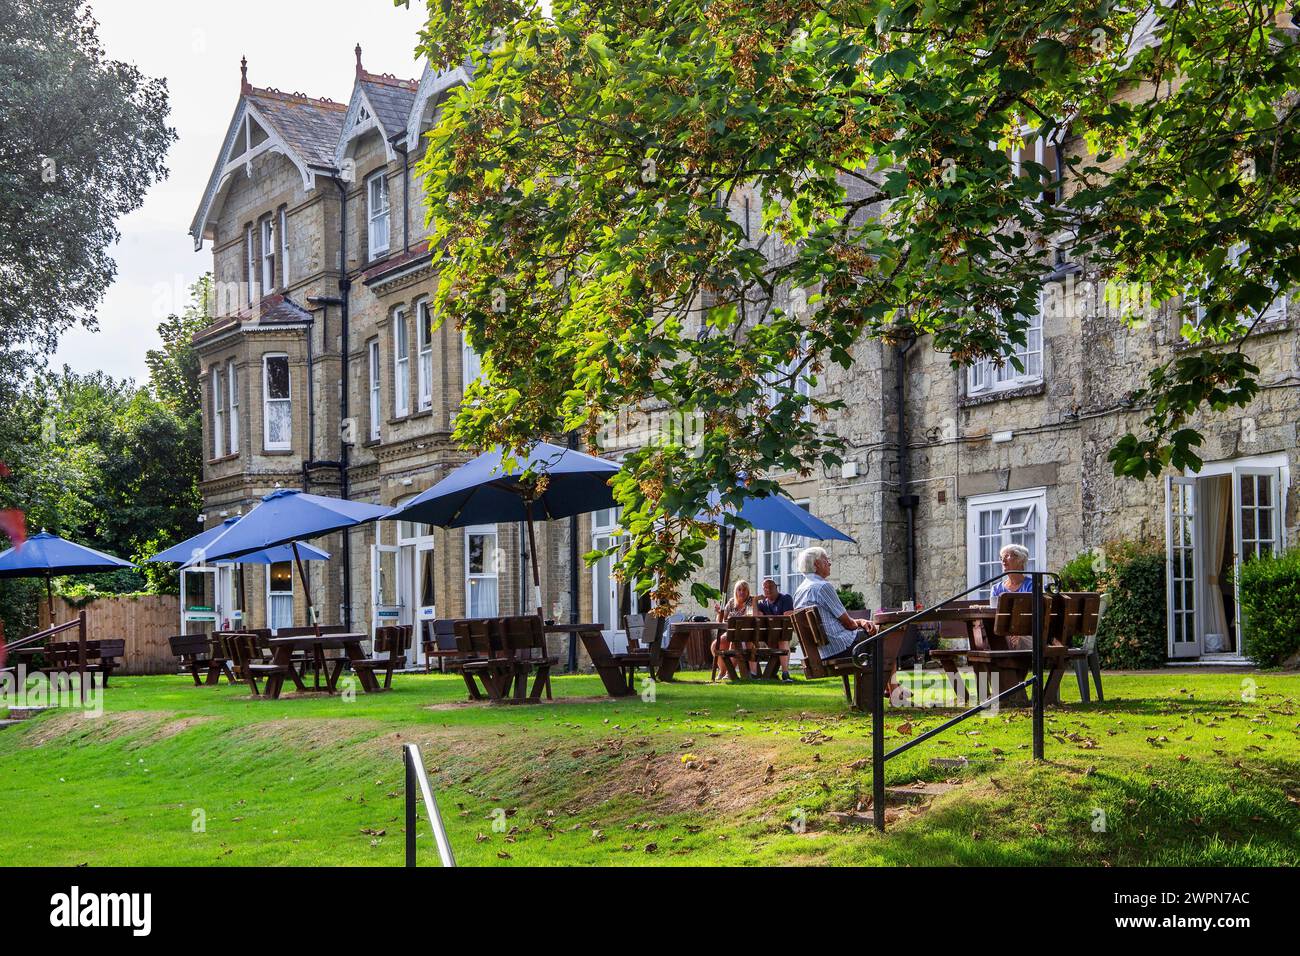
x=410, y=806
x=878, y=733
x=1038, y=663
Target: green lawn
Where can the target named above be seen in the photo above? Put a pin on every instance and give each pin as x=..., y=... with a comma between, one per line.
x=1184, y=770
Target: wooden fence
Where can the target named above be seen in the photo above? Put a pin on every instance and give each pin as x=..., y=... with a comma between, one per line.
x=144, y=622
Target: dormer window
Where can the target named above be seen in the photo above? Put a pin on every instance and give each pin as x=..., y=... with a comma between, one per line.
x=377, y=213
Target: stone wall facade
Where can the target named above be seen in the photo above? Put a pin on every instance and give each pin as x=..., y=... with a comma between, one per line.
x=967, y=449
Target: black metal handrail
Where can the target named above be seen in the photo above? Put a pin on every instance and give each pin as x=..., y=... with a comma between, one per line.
x=31, y=639
x=875, y=644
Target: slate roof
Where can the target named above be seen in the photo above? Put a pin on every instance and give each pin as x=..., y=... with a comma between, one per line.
x=279, y=308
x=391, y=98
x=311, y=126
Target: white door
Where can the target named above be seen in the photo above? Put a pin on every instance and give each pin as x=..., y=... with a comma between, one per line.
x=1257, y=520
x=1183, y=567
x=199, y=600
x=383, y=586
x=423, y=605
x=605, y=587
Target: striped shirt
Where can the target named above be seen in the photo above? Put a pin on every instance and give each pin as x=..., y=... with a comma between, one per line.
x=817, y=592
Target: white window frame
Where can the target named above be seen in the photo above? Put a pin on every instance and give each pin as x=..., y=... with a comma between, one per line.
x=483, y=530
x=268, y=253
x=378, y=214
x=232, y=395
x=272, y=596
x=469, y=361
x=1275, y=312
x=985, y=377
x=267, y=444
x=218, y=414
x=282, y=226
x=1005, y=502
x=424, y=349
x=401, y=365
x=802, y=386
x=251, y=263
x=605, y=525
x=777, y=556
x=376, y=399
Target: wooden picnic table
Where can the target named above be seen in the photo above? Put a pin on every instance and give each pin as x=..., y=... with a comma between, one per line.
x=978, y=619
x=693, y=639
x=282, y=649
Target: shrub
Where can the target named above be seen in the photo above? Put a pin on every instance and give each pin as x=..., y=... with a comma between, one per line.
x=1269, y=589
x=1133, y=634
x=1080, y=572
x=850, y=598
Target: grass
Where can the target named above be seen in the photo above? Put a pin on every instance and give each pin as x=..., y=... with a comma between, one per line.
x=1178, y=768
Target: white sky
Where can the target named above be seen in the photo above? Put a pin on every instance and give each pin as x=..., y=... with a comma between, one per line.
x=293, y=45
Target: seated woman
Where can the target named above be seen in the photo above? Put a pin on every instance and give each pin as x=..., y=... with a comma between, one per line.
x=742, y=604
x=1014, y=561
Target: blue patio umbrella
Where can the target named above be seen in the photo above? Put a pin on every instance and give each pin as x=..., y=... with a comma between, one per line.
x=194, y=550
x=46, y=555
x=775, y=513
x=482, y=491
x=286, y=517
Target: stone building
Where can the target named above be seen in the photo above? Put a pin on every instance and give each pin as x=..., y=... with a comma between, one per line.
x=324, y=369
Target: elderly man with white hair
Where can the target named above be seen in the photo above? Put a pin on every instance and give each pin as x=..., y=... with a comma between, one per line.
x=816, y=591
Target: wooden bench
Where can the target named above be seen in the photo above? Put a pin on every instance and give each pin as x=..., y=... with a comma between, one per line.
x=1013, y=621
x=438, y=644
x=246, y=655
x=1081, y=613
x=501, y=652
x=102, y=657
x=199, y=652
x=618, y=671
x=756, y=640
x=393, y=642
x=857, y=678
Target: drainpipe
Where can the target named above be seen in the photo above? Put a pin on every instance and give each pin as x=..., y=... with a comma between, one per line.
x=906, y=500
x=345, y=286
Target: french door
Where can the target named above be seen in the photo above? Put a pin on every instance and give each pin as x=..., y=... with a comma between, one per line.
x=383, y=586
x=1183, y=568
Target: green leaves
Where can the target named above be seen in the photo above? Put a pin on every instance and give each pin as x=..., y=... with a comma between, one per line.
x=690, y=211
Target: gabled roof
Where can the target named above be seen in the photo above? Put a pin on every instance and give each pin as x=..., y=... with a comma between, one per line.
x=434, y=84
x=311, y=126
x=303, y=129
x=380, y=102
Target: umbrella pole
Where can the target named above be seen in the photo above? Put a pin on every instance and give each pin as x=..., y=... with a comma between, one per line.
x=537, y=574
x=732, y=534
x=49, y=598
x=306, y=589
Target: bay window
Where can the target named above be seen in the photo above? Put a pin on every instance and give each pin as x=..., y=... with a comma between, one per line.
x=277, y=404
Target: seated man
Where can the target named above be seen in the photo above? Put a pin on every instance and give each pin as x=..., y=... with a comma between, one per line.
x=816, y=591
x=773, y=603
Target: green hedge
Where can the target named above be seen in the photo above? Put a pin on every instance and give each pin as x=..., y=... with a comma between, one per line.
x=1133, y=632
x=1269, y=590
x=1080, y=572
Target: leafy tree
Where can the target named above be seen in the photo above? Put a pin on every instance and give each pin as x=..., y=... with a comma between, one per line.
x=583, y=193
x=82, y=138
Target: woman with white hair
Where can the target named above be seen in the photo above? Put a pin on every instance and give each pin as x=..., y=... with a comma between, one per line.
x=1015, y=559
x=816, y=591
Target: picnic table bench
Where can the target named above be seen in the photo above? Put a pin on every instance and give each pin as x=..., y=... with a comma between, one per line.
x=201, y=652
x=102, y=657
x=857, y=678
x=756, y=639
x=499, y=653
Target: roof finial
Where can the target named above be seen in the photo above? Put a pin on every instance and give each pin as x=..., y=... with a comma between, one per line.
x=358, y=53
x=243, y=73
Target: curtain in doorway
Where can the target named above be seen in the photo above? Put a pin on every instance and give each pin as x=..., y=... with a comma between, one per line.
x=1215, y=498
